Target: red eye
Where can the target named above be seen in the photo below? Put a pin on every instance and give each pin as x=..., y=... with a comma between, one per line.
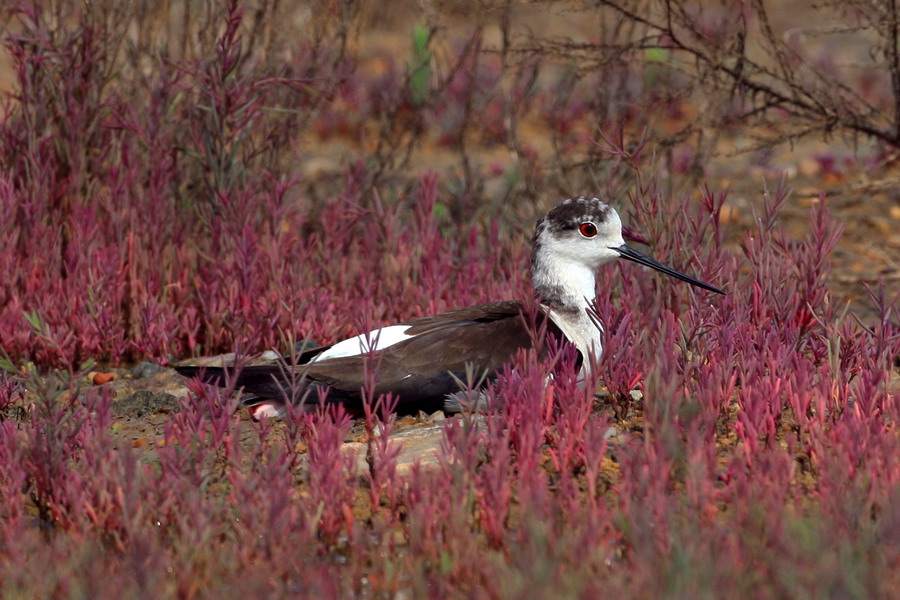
x=588, y=230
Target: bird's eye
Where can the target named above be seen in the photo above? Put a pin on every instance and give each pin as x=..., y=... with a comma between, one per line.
x=588, y=230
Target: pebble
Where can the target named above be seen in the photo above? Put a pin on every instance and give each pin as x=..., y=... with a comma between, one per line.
x=145, y=369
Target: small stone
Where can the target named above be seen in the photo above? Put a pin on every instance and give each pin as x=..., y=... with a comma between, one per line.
x=636, y=395
x=434, y=417
x=145, y=369
x=420, y=445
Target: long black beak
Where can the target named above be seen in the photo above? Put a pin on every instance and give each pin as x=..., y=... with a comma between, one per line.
x=631, y=254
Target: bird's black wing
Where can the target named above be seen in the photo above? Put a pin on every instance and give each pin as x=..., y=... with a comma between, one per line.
x=420, y=371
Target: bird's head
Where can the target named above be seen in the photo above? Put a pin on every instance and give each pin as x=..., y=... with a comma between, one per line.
x=587, y=232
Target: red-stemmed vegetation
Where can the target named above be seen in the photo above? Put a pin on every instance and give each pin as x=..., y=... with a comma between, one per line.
x=152, y=208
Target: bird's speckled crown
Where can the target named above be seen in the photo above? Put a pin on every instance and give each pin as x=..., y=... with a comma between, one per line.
x=572, y=213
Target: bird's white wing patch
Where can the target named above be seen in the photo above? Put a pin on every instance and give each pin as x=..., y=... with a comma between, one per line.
x=378, y=339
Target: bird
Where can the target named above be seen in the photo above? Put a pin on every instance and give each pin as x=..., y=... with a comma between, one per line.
x=424, y=361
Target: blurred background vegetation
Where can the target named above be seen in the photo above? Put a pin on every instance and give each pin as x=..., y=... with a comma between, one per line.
x=515, y=104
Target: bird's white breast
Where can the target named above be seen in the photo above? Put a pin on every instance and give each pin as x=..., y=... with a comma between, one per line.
x=581, y=331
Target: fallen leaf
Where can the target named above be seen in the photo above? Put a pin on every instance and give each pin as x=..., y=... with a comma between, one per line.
x=101, y=378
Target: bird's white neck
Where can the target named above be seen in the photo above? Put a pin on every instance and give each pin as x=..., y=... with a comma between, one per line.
x=566, y=289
